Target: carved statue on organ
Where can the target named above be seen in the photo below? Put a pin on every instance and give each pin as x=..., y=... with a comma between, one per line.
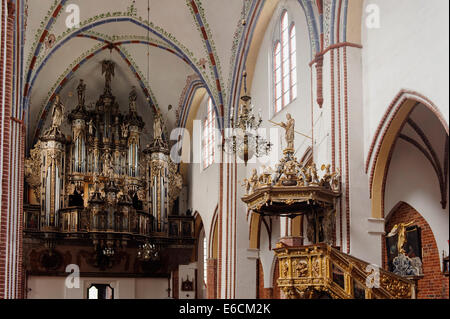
x=108, y=71
x=157, y=125
x=81, y=89
x=58, y=112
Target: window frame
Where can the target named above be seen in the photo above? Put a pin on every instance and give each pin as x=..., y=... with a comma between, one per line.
x=280, y=101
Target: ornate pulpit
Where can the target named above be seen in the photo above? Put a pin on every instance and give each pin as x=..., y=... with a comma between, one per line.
x=317, y=270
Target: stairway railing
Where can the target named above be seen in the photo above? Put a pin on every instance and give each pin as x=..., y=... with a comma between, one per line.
x=319, y=270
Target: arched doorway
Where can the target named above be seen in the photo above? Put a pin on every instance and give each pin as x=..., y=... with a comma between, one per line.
x=200, y=256
x=413, y=119
x=212, y=251
x=408, y=163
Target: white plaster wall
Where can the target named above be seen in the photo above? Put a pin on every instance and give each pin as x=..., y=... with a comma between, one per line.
x=300, y=109
x=412, y=179
x=151, y=288
x=48, y=287
x=262, y=89
x=203, y=184
x=410, y=50
x=419, y=189
x=245, y=258
x=201, y=288
x=363, y=242
x=266, y=253
x=187, y=272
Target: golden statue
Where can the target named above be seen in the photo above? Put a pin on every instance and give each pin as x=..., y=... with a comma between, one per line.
x=326, y=180
x=289, y=130
x=246, y=184
x=157, y=125
x=266, y=176
x=254, y=178
x=313, y=173
x=400, y=229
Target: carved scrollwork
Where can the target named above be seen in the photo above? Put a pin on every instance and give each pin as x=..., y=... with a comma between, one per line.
x=175, y=182
x=311, y=277
x=395, y=287
x=285, y=268
x=315, y=267
x=300, y=267
x=290, y=292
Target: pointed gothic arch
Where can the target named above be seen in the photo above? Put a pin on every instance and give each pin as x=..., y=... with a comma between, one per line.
x=384, y=140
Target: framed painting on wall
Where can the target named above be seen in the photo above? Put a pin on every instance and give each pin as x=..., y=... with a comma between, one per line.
x=412, y=246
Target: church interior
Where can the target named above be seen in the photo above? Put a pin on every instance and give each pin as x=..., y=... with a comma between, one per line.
x=240, y=149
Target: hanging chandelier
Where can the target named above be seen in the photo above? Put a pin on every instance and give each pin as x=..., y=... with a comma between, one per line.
x=148, y=251
x=245, y=140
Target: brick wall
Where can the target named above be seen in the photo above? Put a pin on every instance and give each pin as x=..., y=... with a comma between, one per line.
x=211, y=277
x=7, y=68
x=434, y=285
x=267, y=293
x=260, y=293
x=276, y=289
x=175, y=284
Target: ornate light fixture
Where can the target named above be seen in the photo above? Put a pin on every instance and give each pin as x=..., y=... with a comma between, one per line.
x=245, y=140
x=148, y=251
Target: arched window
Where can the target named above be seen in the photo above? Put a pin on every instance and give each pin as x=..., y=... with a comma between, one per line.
x=284, y=64
x=100, y=291
x=208, y=135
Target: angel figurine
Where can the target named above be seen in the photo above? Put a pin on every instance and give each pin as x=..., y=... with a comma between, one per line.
x=326, y=180
x=254, y=178
x=313, y=174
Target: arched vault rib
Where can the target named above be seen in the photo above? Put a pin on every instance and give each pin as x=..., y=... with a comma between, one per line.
x=179, y=52
x=36, y=47
x=202, y=25
x=98, y=38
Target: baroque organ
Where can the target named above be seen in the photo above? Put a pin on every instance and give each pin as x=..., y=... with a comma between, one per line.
x=100, y=187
